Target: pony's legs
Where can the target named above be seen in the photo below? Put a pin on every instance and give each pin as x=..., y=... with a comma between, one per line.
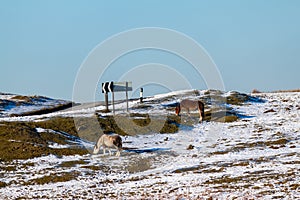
x=188, y=112
x=200, y=119
x=104, y=151
x=118, y=151
x=201, y=111
x=96, y=150
x=200, y=114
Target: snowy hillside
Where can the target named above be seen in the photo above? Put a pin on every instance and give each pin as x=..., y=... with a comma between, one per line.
x=249, y=152
x=17, y=105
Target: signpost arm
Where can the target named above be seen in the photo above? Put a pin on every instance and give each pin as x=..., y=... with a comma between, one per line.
x=116, y=87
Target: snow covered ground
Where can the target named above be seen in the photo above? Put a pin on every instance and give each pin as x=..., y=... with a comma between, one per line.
x=253, y=158
x=17, y=105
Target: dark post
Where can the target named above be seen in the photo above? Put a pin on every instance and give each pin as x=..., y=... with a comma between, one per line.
x=141, y=95
x=106, y=100
x=127, y=95
x=113, y=101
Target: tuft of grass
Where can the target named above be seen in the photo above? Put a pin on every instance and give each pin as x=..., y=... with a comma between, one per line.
x=255, y=91
x=2, y=184
x=236, y=98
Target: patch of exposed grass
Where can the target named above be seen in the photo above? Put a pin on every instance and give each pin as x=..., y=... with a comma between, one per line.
x=295, y=187
x=2, y=184
x=73, y=163
x=140, y=119
x=225, y=181
x=65, y=124
x=69, y=151
x=285, y=91
x=241, y=163
x=213, y=92
x=8, y=168
x=214, y=170
x=54, y=138
x=20, y=140
x=255, y=91
x=275, y=144
x=220, y=115
x=44, y=110
x=22, y=98
x=109, y=124
x=54, y=178
x=171, y=124
x=142, y=106
x=236, y=98
x=189, y=169
x=96, y=168
x=138, y=165
x=228, y=119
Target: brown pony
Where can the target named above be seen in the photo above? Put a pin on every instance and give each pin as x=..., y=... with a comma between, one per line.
x=191, y=105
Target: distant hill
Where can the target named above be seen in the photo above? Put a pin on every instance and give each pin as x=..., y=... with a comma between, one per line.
x=17, y=105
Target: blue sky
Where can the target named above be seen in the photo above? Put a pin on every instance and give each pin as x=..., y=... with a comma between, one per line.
x=255, y=44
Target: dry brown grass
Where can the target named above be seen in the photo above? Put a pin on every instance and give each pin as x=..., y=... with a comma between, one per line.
x=283, y=91
x=255, y=91
x=276, y=91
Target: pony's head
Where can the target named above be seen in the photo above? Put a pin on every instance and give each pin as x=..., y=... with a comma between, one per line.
x=117, y=141
x=96, y=149
x=177, y=109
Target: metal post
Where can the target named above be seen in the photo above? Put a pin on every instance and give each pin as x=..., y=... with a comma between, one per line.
x=127, y=95
x=106, y=100
x=113, y=101
x=141, y=95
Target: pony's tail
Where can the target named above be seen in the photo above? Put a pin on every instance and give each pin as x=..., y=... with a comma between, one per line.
x=201, y=108
x=177, y=109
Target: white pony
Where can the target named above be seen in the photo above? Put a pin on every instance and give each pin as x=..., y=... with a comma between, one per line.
x=109, y=141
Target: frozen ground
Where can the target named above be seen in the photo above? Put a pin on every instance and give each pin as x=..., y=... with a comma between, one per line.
x=253, y=158
x=17, y=105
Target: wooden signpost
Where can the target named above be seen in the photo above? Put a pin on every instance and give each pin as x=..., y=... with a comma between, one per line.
x=116, y=87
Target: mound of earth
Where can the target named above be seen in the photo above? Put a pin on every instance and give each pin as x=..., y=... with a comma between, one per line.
x=23, y=141
x=17, y=105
